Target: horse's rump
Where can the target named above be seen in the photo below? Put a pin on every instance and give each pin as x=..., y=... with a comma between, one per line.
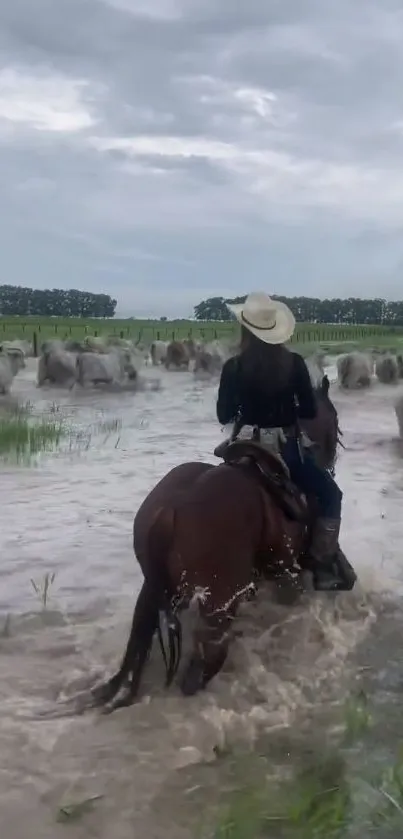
x=167, y=492
x=202, y=517
x=213, y=510
x=218, y=526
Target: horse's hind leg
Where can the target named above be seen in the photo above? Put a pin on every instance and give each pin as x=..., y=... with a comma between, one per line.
x=144, y=624
x=211, y=642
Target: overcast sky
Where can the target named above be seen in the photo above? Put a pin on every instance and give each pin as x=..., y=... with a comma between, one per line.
x=164, y=151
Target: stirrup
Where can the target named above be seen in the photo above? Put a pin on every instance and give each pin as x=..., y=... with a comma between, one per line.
x=336, y=574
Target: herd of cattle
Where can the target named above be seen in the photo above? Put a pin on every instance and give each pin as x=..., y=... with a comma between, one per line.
x=115, y=361
x=109, y=361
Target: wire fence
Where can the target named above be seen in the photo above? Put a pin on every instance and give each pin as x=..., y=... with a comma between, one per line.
x=37, y=332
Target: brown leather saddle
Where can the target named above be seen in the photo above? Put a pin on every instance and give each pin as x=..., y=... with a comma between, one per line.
x=269, y=470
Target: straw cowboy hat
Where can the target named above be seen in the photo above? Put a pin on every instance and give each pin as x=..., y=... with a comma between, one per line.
x=271, y=321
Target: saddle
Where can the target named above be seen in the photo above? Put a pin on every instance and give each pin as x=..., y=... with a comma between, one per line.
x=271, y=472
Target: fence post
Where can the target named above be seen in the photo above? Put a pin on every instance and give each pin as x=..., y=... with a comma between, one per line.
x=121, y=334
x=35, y=345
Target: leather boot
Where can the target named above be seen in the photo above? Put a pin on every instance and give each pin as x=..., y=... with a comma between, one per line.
x=331, y=569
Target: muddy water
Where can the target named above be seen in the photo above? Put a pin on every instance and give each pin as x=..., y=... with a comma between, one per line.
x=72, y=515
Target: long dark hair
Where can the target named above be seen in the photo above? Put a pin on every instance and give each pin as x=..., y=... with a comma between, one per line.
x=265, y=368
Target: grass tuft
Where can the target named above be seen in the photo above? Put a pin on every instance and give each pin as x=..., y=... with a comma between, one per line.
x=323, y=799
x=315, y=803
x=22, y=437
x=5, y=629
x=389, y=789
x=42, y=589
x=357, y=717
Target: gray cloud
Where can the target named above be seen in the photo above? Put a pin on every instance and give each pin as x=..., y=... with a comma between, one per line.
x=164, y=150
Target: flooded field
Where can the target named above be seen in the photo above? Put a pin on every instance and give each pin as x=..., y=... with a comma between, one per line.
x=68, y=579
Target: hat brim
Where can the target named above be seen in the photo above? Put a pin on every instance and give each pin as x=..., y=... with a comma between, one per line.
x=279, y=334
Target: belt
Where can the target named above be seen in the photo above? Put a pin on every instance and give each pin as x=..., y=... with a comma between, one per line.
x=289, y=430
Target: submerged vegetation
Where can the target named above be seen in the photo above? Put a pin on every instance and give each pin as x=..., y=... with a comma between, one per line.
x=334, y=792
x=42, y=588
x=316, y=803
x=23, y=436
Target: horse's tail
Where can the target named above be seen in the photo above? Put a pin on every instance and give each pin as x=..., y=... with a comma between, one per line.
x=159, y=543
x=154, y=599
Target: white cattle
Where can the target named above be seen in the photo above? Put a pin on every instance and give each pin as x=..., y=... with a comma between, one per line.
x=354, y=370
x=11, y=362
x=117, y=341
x=159, y=352
x=116, y=367
x=386, y=369
x=209, y=359
x=95, y=344
x=17, y=343
x=57, y=366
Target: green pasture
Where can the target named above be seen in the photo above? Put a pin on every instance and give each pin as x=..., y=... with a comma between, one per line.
x=306, y=336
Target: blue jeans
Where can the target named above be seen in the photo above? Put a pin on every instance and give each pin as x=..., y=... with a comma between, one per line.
x=313, y=480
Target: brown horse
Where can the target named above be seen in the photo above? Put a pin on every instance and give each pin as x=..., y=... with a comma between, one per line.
x=203, y=532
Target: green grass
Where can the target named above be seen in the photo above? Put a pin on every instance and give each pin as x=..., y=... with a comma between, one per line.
x=332, y=792
x=315, y=803
x=148, y=330
x=324, y=800
x=22, y=437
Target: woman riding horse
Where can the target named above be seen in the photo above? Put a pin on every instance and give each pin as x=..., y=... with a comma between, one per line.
x=204, y=530
x=266, y=387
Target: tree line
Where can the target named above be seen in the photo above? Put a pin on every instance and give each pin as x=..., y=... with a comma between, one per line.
x=56, y=302
x=352, y=310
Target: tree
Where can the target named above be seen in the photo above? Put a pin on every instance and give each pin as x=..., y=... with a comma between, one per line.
x=352, y=310
x=212, y=309
x=18, y=300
